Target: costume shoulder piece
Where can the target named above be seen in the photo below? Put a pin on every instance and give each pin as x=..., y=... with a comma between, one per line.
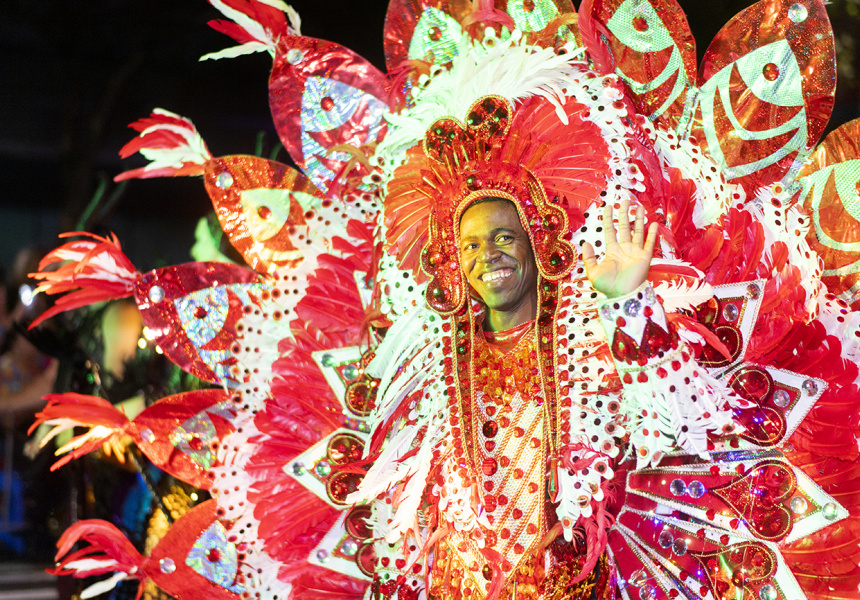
x=364, y=438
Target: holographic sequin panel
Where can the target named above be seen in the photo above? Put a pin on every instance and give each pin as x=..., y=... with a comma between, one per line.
x=194, y=437
x=329, y=104
x=436, y=37
x=213, y=557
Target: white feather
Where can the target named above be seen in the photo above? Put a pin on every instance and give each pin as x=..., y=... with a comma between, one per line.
x=103, y=586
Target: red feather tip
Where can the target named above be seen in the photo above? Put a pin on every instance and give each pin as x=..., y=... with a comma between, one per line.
x=96, y=269
x=170, y=142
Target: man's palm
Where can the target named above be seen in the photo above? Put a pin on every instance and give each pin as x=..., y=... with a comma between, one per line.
x=628, y=256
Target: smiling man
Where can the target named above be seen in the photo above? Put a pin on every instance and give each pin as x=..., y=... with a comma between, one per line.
x=497, y=258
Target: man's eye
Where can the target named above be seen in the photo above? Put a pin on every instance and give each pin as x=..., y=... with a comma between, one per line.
x=504, y=238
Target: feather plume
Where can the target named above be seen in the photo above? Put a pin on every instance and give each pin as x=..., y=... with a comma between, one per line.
x=256, y=24
x=108, y=551
x=95, y=268
x=67, y=411
x=593, y=38
x=170, y=142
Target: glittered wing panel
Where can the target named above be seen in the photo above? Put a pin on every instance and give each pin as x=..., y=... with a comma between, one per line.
x=766, y=90
x=534, y=16
x=265, y=208
x=181, y=434
x=324, y=96
x=654, y=52
x=660, y=557
x=830, y=181
x=752, y=494
x=193, y=309
x=427, y=30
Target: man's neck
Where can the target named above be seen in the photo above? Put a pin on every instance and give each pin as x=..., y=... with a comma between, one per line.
x=502, y=320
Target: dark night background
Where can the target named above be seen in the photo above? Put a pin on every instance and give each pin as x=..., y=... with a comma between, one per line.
x=74, y=73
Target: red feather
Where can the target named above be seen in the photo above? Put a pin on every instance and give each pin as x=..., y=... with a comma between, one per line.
x=593, y=36
x=96, y=268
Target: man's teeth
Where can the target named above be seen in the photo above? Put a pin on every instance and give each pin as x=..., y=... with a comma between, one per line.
x=496, y=275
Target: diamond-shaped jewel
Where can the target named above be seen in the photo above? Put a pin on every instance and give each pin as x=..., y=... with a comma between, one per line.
x=167, y=565
x=753, y=291
x=632, y=307
x=147, y=436
x=781, y=398
x=678, y=487
x=322, y=556
x=665, y=538
x=327, y=360
x=799, y=505
x=294, y=56
x=696, y=489
x=831, y=511
x=156, y=294
x=797, y=13
x=810, y=387
x=224, y=180
x=679, y=547
x=606, y=312
x=350, y=372
x=298, y=469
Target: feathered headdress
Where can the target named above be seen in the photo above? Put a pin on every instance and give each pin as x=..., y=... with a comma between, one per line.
x=550, y=171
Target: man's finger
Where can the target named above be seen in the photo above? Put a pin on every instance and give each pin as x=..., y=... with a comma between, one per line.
x=624, y=223
x=588, y=257
x=639, y=227
x=651, y=242
x=609, y=234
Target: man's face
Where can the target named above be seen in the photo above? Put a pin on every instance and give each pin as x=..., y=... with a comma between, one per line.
x=496, y=256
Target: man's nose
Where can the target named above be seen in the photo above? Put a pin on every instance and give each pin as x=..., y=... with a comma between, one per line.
x=489, y=253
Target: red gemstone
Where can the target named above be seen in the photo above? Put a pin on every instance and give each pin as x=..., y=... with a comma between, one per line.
x=503, y=500
x=490, y=445
x=505, y=461
x=533, y=487
x=264, y=212
x=214, y=555
x=489, y=467
x=518, y=473
x=435, y=34
x=528, y=5
x=518, y=548
x=200, y=312
x=490, y=429
x=640, y=24
x=519, y=431
x=327, y=103
x=195, y=443
x=504, y=421
x=488, y=485
x=531, y=529
x=770, y=71
x=517, y=513
x=505, y=533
